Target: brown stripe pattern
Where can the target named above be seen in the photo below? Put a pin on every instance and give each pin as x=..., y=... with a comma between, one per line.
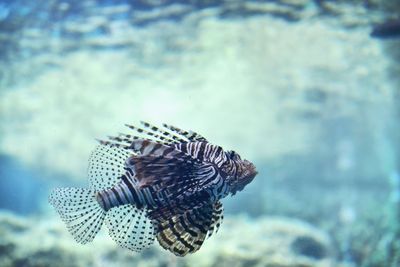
x=185, y=233
x=172, y=177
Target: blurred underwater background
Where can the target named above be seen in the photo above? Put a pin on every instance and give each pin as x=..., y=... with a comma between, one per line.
x=299, y=87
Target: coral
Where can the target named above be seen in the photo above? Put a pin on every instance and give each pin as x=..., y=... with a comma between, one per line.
x=241, y=242
x=309, y=247
x=266, y=242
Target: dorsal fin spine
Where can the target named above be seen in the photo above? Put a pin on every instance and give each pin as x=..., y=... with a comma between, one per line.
x=169, y=135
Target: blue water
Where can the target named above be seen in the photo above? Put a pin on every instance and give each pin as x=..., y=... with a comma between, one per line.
x=299, y=88
x=21, y=189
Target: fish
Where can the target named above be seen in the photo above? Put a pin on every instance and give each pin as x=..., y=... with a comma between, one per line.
x=156, y=183
x=387, y=29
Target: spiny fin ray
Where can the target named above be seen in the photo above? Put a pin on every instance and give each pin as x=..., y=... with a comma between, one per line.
x=130, y=228
x=80, y=211
x=166, y=135
x=185, y=233
x=190, y=135
x=106, y=166
x=217, y=218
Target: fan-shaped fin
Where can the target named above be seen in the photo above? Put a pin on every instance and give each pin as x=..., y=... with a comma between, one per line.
x=130, y=227
x=106, y=166
x=180, y=205
x=181, y=176
x=151, y=148
x=80, y=211
x=217, y=218
x=185, y=233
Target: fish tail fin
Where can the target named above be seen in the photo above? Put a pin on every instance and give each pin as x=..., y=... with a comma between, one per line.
x=80, y=211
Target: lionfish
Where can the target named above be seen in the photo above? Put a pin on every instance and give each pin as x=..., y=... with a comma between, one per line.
x=165, y=185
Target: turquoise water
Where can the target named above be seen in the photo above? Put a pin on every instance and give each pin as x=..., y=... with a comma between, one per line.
x=298, y=87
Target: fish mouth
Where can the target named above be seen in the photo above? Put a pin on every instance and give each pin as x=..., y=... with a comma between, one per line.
x=247, y=178
x=251, y=171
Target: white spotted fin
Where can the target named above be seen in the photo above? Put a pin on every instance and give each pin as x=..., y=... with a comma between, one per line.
x=80, y=211
x=79, y=208
x=106, y=166
x=130, y=227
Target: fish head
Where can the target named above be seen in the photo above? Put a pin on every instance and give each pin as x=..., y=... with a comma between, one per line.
x=245, y=173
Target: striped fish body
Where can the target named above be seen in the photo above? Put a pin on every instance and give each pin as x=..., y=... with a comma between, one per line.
x=163, y=183
x=155, y=193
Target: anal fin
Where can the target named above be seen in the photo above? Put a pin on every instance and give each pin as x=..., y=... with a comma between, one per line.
x=185, y=233
x=217, y=218
x=130, y=227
